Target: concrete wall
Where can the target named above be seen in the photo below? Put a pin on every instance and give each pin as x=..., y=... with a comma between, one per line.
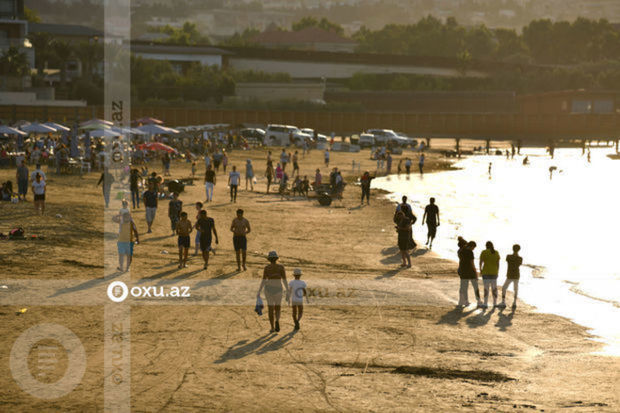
x=336, y=70
x=280, y=91
x=30, y=99
x=207, y=60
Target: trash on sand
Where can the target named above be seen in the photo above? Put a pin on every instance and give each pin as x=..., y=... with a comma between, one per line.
x=58, y=216
x=164, y=252
x=4, y=287
x=21, y=311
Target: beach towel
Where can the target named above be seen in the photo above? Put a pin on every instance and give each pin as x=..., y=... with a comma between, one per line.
x=259, y=306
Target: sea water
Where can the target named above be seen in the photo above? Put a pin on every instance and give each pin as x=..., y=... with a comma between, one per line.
x=568, y=226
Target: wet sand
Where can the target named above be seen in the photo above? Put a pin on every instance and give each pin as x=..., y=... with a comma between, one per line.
x=375, y=355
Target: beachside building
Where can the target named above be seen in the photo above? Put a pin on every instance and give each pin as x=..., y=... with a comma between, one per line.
x=180, y=57
x=310, y=38
x=13, y=32
x=571, y=101
x=310, y=91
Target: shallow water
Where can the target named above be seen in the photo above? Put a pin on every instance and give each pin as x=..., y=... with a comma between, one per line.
x=567, y=226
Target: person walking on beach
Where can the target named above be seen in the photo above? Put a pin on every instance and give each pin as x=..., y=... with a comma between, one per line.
x=512, y=276
x=240, y=228
x=175, y=206
x=274, y=282
x=107, y=179
x=403, y=228
x=467, y=272
x=326, y=155
x=134, y=180
x=283, y=159
x=184, y=229
x=365, y=181
x=388, y=162
x=38, y=189
x=297, y=289
x=421, y=164
x=406, y=209
x=39, y=171
x=408, y=166
x=206, y=225
x=126, y=231
x=431, y=216
x=209, y=183
x=224, y=161
x=21, y=176
x=399, y=169
x=318, y=178
x=279, y=173
x=489, y=268
x=150, y=205
x=234, y=178
x=249, y=174
x=295, y=164
x=198, y=207
x=269, y=175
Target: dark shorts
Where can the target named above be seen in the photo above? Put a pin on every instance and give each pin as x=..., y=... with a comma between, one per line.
x=39, y=197
x=183, y=241
x=205, y=243
x=432, y=230
x=240, y=242
x=295, y=165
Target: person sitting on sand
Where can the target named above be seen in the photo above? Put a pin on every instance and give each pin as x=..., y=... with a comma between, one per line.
x=297, y=289
x=512, y=275
x=274, y=277
x=467, y=272
x=489, y=268
x=184, y=228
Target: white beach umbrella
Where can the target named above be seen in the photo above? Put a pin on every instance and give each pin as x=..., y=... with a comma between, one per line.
x=7, y=130
x=57, y=126
x=153, y=129
x=38, y=128
x=103, y=133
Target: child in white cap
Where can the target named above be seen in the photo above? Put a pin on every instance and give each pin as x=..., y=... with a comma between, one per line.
x=297, y=290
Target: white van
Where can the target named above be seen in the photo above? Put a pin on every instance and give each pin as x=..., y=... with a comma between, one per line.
x=280, y=135
x=366, y=140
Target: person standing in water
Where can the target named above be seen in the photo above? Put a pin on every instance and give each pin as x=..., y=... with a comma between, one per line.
x=431, y=216
x=489, y=268
x=467, y=272
x=512, y=276
x=274, y=277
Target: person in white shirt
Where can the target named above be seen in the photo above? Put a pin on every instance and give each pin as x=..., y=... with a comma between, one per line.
x=234, y=178
x=38, y=188
x=34, y=173
x=297, y=289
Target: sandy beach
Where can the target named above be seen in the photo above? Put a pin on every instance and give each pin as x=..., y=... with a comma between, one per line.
x=400, y=346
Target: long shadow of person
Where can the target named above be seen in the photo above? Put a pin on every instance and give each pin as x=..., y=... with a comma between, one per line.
x=277, y=344
x=243, y=348
x=480, y=319
x=505, y=320
x=453, y=316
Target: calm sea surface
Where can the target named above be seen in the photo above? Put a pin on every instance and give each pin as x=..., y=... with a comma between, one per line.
x=568, y=226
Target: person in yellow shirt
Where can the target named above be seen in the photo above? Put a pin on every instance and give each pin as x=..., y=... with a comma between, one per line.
x=489, y=268
x=127, y=229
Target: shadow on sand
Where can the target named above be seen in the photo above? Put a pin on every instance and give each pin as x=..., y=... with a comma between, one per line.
x=261, y=345
x=454, y=316
x=505, y=320
x=86, y=285
x=480, y=319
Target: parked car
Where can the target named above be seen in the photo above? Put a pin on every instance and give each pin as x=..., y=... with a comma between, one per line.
x=280, y=135
x=366, y=140
x=320, y=136
x=385, y=136
x=254, y=136
x=410, y=141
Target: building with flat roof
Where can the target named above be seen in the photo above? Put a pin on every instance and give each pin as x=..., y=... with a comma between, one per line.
x=310, y=38
x=571, y=101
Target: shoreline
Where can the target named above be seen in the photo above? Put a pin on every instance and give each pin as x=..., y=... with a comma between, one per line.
x=421, y=355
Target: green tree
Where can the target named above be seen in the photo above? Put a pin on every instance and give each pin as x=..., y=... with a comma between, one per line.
x=42, y=44
x=243, y=39
x=324, y=24
x=14, y=63
x=90, y=54
x=31, y=15
x=62, y=51
x=186, y=35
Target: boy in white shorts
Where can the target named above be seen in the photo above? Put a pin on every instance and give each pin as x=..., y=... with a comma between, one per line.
x=297, y=290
